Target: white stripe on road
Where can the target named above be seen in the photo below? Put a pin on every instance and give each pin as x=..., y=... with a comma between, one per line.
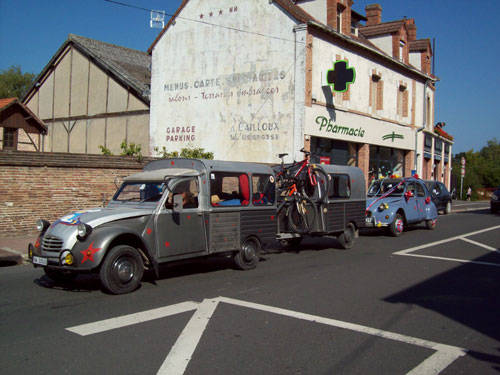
x=412, y=249
x=127, y=320
x=179, y=356
x=480, y=244
x=436, y=363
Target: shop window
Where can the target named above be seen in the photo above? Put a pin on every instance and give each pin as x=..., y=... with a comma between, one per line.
x=9, y=138
x=385, y=162
x=338, y=152
x=229, y=189
x=340, y=186
x=263, y=190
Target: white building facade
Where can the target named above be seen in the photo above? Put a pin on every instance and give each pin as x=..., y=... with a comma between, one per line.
x=249, y=81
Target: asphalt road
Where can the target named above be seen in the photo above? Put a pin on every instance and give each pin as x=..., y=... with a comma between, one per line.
x=426, y=302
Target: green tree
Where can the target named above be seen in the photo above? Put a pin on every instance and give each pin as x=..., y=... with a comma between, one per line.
x=15, y=84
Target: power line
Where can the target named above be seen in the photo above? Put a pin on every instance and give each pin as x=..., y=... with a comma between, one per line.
x=206, y=23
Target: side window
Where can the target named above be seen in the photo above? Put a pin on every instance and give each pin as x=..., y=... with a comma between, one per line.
x=420, y=190
x=411, y=188
x=340, y=186
x=189, y=189
x=229, y=189
x=263, y=189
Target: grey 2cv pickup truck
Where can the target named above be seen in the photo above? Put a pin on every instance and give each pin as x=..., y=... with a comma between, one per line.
x=175, y=209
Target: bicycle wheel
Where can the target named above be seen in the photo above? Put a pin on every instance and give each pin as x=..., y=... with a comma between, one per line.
x=319, y=191
x=301, y=215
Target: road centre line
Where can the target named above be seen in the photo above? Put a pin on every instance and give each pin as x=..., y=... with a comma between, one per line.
x=130, y=319
x=412, y=249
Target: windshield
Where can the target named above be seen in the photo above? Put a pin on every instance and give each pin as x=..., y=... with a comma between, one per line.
x=140, y=192
x=389, y=187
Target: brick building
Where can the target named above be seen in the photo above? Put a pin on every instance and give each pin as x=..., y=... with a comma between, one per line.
x=249, y=80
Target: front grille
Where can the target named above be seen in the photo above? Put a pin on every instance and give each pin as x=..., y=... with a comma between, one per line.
x=52, y=243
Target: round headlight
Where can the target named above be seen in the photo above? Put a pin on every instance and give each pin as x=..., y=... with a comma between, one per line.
x=82, y=230
x=383, y=206
x=66, y=258
x=42, y=225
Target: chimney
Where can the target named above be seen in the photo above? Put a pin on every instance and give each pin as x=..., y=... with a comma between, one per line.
x=373, y=14
x=412, y=32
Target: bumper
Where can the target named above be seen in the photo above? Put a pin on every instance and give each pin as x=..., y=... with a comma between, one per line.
x=372, y=222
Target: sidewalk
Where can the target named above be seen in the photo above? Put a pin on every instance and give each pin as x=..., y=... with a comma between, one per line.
x=14, y=250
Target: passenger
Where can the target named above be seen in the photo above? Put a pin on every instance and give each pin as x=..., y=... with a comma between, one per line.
x=188, y=200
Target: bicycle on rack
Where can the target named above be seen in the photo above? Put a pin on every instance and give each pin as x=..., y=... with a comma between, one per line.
x=301, y=186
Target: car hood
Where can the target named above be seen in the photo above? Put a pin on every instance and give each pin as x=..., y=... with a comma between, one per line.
x=388, y=200
x=65, y=228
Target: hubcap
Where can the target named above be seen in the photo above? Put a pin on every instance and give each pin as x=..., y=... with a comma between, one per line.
x=399, y=225
x=248, y=252
x=124, y=270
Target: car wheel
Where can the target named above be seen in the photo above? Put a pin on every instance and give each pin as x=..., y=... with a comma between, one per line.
x=346, y=238
x=397, y=226
x=431, y=224
x=122, y=270
x=447, y=209
x=248, y=256
x=59, y=276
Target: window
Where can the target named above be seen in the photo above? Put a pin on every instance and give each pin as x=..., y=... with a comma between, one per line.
x=263, y=190
x=385, y=162
x=339, y=152
x=401, y=49
x=189, y=189
x=9, y=138
x=428, y=143
x=229, y=189
x=376, y=93
x=428, y=112
x=340, y=10
x=420, y=191
x=140, y=192
x=340, y=186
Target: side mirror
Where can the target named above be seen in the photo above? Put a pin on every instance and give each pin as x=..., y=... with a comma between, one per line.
x=177, y=203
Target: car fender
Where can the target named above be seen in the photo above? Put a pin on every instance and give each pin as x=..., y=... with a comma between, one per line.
x=430, y=211
x=90, y=252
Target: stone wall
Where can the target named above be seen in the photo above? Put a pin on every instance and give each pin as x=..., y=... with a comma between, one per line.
x=37, y=185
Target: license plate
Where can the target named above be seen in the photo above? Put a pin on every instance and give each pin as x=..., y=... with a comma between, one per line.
x=40, y=261
x=369, y=220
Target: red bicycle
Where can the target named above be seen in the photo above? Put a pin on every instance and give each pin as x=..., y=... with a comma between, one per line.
x=301, y=186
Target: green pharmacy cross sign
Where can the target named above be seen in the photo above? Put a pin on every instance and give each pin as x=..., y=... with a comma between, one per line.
x=340, y=76
x=392, y=136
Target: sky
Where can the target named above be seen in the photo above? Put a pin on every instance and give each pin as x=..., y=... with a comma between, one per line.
x=466, y=55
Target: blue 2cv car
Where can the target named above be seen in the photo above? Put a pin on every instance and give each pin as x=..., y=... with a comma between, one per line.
x=397, y=202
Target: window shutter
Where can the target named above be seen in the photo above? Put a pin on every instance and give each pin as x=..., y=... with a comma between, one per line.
x=380, y=94
x=405, y=103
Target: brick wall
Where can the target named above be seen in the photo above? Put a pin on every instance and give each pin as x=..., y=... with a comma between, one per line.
x=37, y=185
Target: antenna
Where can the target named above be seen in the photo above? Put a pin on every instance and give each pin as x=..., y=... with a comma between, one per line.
x=157, y=19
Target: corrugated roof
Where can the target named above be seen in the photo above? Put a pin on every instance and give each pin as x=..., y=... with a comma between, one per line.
x=130, y=67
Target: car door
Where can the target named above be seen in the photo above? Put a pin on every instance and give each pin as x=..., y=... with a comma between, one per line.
x=437, y=196
x=409, y=201
x=420, y=196
x=181, y=233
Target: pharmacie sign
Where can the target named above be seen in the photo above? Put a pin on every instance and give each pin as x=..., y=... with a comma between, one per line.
x=326, y=125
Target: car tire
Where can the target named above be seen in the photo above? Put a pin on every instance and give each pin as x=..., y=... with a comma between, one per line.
x=122, y=269
x=431, y=224
x=59, y=276
x=397, y=226
x=248, y=256
x=447, y=209
x=346, y=239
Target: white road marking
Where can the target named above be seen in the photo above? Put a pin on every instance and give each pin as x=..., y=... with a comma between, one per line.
x=462, y=236
x=127, y=320
x=182, y=351
x=480, y=244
